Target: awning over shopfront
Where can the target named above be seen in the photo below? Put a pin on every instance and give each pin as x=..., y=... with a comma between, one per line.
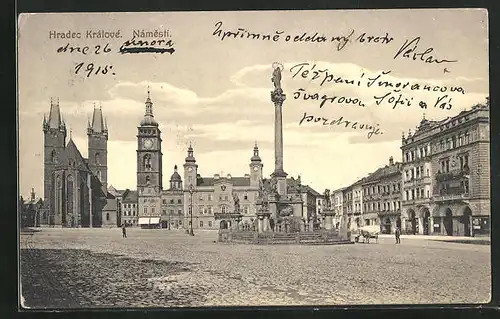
x=149, y=220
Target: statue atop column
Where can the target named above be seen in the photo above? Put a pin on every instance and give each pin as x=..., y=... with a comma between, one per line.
x=276, y=79
x=277, y=95
x=328, y=203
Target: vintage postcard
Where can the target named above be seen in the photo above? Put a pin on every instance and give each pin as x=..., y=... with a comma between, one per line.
x=272, y=158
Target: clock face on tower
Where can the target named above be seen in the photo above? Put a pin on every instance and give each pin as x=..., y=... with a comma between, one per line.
x=147, y=143
x=255, y=168
x=190, y=169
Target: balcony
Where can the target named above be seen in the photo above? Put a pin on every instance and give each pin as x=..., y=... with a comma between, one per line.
x=452, y=194
x=419, y=181
x=453, y=175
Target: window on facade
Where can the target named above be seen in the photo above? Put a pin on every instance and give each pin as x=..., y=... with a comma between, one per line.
x=201, y=197
x=466, y=137
x=422, y=193
x=245, y=197
x=223, y=209
x=97, y=159
x=148, y=179
x=209, y=197
x=442, y=145
x=209, y=223
x=466, y=186
x=201, y=223
x=53, y=156
x=164, y=212
x=453, y=142
x=152, y=210
x=147, y=161
x=226, y=197
x=171, y=201
x=178, y=211
x=412, y=194
x=99, y=175
x=406, y=195
x=145, y=210
x=179, y=201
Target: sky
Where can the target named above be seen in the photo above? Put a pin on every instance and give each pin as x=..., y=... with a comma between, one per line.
x=215, y=93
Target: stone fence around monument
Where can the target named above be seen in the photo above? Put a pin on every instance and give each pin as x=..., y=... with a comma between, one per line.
x=321, y=237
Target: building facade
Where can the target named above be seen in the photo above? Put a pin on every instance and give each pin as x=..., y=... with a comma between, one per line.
x=207, y=200
x=357, y=205
x=75, y=188
x=172, y=216
x=337, y=200
x=454, y=199
x=129, y=208
x=382, y=197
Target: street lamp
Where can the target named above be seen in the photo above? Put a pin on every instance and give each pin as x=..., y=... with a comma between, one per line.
x=191, y=190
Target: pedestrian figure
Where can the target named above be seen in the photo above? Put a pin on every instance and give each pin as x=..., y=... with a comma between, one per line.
x=124, y=231
x=397, y=232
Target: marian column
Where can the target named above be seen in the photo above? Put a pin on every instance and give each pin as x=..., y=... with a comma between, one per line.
x=277, y=97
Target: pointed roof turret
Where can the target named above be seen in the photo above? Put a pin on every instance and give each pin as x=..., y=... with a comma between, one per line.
x=190, y=158
x=255, y=157
x=149, y=119
x=175, y=176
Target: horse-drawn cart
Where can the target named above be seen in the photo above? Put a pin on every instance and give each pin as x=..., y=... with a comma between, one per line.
x=366, y=233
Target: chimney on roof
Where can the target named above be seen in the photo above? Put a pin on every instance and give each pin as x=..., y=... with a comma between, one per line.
x=32, y=194
x=391, y=161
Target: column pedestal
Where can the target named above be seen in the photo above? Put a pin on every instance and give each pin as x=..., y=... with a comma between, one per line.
x=263, y=222
x=328, y=219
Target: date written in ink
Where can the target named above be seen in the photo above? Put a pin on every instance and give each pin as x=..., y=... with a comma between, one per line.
x=90, y=69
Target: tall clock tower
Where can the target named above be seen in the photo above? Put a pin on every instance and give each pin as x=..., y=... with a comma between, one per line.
x=149, y=155
x=149, y=169
x=255, y=167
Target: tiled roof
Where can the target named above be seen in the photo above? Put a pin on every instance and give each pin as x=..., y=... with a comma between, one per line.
x=110, y=205
x=383, y=172
x=129, y=196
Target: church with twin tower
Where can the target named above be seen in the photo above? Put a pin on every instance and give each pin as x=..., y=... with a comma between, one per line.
x=75, y=188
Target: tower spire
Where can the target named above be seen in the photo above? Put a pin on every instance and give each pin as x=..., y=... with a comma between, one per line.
x=54, y=115
x=97, y=120
x=148, y=119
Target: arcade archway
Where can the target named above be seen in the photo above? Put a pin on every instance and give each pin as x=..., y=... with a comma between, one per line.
x=448, y=222
x=412, y=221
x=426, y=220
x=466, y=219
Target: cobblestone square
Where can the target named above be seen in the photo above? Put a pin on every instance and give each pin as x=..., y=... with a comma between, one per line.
x=72, y=268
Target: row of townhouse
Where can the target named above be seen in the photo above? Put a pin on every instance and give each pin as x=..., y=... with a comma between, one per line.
x=441, y=187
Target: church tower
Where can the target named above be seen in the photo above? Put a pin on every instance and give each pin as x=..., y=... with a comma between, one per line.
x=54, y=130
x=149, y=155
x=255, y=167
x=97, y=133
x=190, y=169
